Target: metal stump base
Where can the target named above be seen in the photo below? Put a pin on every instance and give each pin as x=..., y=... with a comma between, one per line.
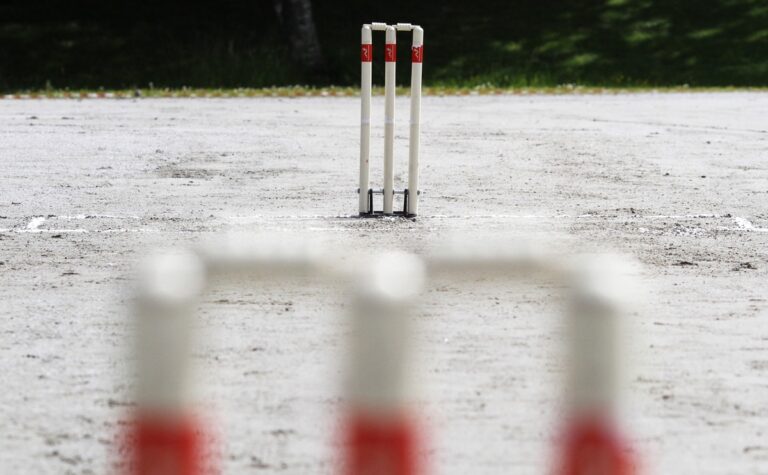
x=380, y=214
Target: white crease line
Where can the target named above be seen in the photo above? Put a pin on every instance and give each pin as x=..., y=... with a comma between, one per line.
x=95, y=216
x=480, y=216
x=33, y=227
x=35, y=223
x=124, y=230
x=578, y=216
x=684, y=216
x=745, y=225
x=78, y=231
x=50, y=231
x=260, y=218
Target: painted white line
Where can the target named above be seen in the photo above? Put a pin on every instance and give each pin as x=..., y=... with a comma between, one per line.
x=125, y=230
x=49, y=231
x=258, y=218
x=684, y=216
x=95, y=216
x=745, y=225
x=33, y=227
x=82, y=231
x=35, y=223
x=742, y=224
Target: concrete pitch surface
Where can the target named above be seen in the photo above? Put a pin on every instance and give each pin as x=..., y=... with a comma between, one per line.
x=678, y=180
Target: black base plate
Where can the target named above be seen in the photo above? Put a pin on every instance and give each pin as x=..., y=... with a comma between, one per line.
x=380, y=214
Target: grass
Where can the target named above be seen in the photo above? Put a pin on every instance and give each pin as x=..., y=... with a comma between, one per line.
x=309, y=91
x=525, y=45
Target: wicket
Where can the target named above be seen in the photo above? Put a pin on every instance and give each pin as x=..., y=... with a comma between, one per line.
x=365, y=192
x=381, y=433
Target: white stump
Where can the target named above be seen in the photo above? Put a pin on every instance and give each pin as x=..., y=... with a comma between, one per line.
x=390, y=56
x=417, y=56
x=366, y=58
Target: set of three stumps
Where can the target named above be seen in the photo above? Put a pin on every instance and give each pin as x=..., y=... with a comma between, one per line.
x=365, y=192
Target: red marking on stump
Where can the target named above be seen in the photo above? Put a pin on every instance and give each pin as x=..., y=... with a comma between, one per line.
x=381, y=446
x=160, y=446
x=591, y=446
x=366, y=53
x=390, y=52
x=417, y=54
